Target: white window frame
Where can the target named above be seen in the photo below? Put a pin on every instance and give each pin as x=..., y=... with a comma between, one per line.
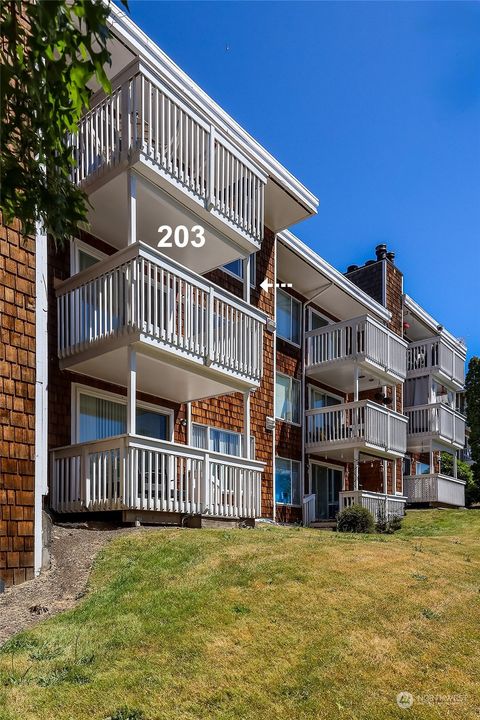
x=76, y=246
x=300, y=480
x=79, y=389
x=312, y=311
x=300, y=332
x=314, y=388
x=253, y=269
x=232, y=432
x=292, y=380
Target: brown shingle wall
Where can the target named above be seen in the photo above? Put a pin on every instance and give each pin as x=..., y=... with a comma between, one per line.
x=17, y=404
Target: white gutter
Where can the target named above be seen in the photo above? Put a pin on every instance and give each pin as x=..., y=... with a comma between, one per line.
x=41, y=391
x=433, y=325
x=337, y=278
x=132, y=36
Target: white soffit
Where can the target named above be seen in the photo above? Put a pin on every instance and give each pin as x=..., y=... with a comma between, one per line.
x=423, y=325
x=310, y=274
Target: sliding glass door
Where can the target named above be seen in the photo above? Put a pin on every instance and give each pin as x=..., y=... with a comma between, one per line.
x=326, y=484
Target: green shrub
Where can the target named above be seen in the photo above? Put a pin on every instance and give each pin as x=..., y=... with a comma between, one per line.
x=356, y=519
x=126, y=713
x=388, y=527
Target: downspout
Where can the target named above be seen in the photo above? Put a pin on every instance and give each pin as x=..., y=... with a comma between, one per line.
x=303, y=385
x=41, y=391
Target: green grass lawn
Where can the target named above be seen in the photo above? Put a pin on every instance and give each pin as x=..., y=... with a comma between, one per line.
x=279, y=623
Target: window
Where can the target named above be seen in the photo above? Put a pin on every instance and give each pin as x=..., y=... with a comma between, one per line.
x=316, y=320
x=287, y=398
x=441, y=394
x=320, y=399
x=407, y=466
x=287, y=481
x=222, y=441
x=288, y=317
x=104, y=415
x=83, y=256
x=236, y=268
x=423, y=468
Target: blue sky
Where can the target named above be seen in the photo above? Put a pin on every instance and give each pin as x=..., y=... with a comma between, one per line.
x=374, y=106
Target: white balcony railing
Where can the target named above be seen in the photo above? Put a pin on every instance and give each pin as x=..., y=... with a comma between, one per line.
x=128, y=472
x=434, y=488
x=144, y=116
x=309, y=509
x=355, y=424
x=436, y=420
x=140, y=290
x=381, y=506
x=435, y=355
x=359, y=339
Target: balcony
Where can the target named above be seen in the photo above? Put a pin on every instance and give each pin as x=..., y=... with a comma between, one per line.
x=381, y=506
x=189, y=171
x=435, y=356
x=436, y=422
x=128, y=472
x=193, y=339
x=339, y=430
x=333, y=351
x=435, y=488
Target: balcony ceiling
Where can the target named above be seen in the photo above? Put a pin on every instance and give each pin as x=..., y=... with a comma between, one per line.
x=166, y=380
x=108, y=220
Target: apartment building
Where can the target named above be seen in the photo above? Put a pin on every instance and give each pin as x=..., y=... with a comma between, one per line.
x=187, y=359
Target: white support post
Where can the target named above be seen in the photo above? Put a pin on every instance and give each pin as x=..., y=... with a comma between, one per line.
x=385, y=477
x=455, y=468
x=246, y=279
x=132, y=392
x=356, y=468
x=246, y=424
x=432, y=460
x=355, y=383
x=132, y=206
x=189, y=423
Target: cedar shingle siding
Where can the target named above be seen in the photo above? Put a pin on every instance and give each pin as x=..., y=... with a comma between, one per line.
x=17, y=405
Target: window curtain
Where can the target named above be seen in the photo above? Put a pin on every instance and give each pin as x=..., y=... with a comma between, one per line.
x=224, y=442
x=200, y=436
x=416, y=391
x=100, y=418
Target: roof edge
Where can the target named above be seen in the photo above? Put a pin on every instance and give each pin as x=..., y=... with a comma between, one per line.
x=431, y=323
x=338, y=278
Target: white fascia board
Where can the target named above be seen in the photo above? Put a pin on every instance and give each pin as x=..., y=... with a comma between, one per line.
x=433, y=325
x=141, y=44
x=332, y=274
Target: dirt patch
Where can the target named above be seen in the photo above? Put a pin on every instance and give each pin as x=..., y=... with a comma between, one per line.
x=73, y=551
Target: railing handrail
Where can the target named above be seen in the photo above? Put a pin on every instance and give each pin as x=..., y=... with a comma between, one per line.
x=435, y=341
x=351, y=323
x=372, y=494
x=433, y=476
x=432, y=406
x=142, y=250
x=357, y=404
x=140, y=441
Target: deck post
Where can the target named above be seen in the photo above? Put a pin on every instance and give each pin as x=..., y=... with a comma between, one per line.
x=246, y=424
x=246, y=278
x=132, y=391
x=132, y=206
x=356, y=468
x=355, y=383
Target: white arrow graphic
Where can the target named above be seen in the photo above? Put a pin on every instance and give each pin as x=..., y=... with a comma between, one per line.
x=266, y=285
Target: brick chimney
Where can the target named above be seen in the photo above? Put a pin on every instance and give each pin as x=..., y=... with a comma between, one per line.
x=383, y=281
